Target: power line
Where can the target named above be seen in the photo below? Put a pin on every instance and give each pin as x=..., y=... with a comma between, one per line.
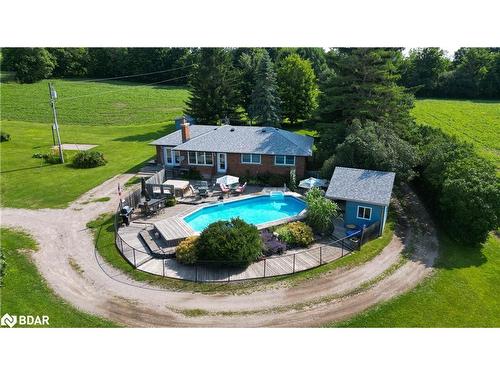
x=135, y=75
x=124, y=89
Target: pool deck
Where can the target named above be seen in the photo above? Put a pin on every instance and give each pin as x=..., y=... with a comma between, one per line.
x=170, y=224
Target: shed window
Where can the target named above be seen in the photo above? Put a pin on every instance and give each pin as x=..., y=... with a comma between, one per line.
x=284, y=160
x=250, y=158
x=364, y=213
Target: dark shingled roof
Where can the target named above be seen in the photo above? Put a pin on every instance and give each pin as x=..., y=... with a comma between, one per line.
x=361, y=185
x=240, y=139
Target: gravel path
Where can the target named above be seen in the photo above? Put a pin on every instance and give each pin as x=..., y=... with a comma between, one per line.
x=104, y=291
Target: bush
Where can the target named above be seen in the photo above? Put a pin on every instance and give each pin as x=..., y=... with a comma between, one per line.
x=320, y=211
x=470, y=199
x=187, y=251
x=170, y=202
x=272, y=245
x=230, y=241
x=296, y=234
x=4, y=137
x=89, y=159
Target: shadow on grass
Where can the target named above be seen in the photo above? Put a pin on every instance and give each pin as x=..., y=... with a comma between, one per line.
x=145, y=137
x=27, y=168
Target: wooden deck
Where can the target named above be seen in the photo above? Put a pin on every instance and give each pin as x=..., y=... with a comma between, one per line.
x=173, y=229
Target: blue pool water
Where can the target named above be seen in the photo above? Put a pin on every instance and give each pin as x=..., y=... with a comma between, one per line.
x=255, y=210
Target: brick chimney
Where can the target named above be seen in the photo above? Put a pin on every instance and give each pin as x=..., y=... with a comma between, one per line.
x=185, y=130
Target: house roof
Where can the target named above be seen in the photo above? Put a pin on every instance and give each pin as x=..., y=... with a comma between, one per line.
x=361, y=185
x=175, y=138
x=240, y=139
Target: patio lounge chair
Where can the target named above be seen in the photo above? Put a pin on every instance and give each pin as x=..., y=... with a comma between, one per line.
x=240, y=189
x=224, y=189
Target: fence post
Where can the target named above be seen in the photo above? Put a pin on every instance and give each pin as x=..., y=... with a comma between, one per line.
x=294, y=262
x=265, y=259
x=196, y=273
x=361, y=237
x=320, y=255
x=342, y=242
x=163, y=267
x=133, y=251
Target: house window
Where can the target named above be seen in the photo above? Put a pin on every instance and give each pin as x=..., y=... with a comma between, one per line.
x=364, y=213
x=168, y=153
x=250, y=158
x=177, y=157
x=200, y=158
x=284, y=160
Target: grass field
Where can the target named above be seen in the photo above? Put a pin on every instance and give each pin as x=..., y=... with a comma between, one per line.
x=91, y=103
x=477, y=122
x=464, y=292
x=25, y=292
x=120, y=118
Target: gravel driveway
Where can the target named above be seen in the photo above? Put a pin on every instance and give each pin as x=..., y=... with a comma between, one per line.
x=62, y=235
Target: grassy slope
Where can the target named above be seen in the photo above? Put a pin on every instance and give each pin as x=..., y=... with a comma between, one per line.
x=472, y=121
x=132, y=117
x=115, y=103
x=26, y=293
x=464, y=292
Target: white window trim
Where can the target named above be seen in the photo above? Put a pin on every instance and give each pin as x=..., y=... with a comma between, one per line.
x=366, y=208
x=196, y=157
x=285, y=163
x=250, y=162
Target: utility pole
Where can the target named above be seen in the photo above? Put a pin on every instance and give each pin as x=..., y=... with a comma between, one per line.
x=53, y=98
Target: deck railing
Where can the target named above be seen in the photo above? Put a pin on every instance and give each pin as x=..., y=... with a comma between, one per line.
x=231, y=271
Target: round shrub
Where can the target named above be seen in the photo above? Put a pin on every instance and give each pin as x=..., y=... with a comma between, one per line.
x=230, y=241
x=187, y=252
x=296, y=234
x=4, y=137
x=89, y=159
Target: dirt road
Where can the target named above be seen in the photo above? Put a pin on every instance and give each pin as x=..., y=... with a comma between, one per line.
x=62, y=236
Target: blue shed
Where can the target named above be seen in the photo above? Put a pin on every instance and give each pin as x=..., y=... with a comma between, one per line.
x=365, y=195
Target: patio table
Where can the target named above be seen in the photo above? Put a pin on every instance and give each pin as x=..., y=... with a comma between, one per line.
x=179, y=185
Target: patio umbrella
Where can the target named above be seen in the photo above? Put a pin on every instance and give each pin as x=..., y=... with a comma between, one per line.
x=228, y=180
x=311, y=182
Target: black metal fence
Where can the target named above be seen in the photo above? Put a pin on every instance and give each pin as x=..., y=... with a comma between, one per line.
x=219, y=272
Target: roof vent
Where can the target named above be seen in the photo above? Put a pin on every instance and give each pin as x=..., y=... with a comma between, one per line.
x=232, y=130
x=263, y=130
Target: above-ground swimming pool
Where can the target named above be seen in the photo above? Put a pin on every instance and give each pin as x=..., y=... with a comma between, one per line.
x=254, y=210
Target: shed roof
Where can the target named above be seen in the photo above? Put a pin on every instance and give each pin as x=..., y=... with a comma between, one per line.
x=240, y=139
x=361, y=185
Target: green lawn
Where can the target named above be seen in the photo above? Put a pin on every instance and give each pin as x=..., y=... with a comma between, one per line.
x=30, y=183
x=464, y=292
x=115, y=103
x=120, y=117
x=25, y=292
x=477, y=122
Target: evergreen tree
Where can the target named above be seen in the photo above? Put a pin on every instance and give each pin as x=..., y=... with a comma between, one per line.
x=214, y=90
x=365, y=87
x=265, y=105
x=247, y=63
x=298, y=88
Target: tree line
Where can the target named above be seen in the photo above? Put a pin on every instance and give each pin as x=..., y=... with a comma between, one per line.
x=473, y=73
x=365, y=122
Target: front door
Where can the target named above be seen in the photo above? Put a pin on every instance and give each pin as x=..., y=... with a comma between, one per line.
x=221, y=162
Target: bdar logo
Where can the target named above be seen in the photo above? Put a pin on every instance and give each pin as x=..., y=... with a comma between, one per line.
x=8, y=320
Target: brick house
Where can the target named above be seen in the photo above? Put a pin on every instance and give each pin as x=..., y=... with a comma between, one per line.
x=234, y=150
